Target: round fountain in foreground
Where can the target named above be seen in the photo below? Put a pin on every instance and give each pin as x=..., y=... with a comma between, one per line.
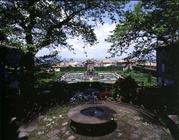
x=127, y=123
x=108, y=120
x=92, y=119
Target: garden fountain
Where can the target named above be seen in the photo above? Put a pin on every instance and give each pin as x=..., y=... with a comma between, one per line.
x=109, y=120
x=90, y=76
x=92, y=119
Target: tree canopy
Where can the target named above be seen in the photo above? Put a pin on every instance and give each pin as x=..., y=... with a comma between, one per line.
x=46, y=22
x=151, y=24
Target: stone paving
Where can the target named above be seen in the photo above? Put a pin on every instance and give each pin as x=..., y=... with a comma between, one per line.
x=132, y=124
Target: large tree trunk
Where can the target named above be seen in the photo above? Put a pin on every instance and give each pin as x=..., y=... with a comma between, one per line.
x=28, y=64
x=27, y=74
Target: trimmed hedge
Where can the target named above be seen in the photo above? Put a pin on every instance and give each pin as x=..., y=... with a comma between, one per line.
x=75, y=69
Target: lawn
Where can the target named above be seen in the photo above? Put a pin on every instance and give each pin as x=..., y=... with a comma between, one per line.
x=139, y=77
x=44, y=78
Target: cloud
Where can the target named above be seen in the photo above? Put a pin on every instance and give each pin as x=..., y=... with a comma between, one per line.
x=97, y=51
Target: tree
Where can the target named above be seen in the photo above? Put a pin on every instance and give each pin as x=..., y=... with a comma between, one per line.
x=33, y=24
x=49, y=22
x=50, y=58
x=126, y=88
x=151, y=24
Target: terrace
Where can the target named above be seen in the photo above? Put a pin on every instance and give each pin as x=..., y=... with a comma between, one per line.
x=126, y=122
x=130, y=89
x=88, y=116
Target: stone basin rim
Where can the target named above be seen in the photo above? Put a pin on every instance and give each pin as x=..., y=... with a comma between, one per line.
x=76, y=116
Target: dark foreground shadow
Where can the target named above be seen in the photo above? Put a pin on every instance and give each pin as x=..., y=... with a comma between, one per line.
x=93, y=130
x=172, y=126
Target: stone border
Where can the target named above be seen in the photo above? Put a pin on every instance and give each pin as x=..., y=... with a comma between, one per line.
x=75, y=114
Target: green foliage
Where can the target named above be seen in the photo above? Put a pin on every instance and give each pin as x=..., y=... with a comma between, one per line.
x=151, y=23
x=27, y=48
x=44, y=78
x=43, y=23
x=140, y=78
x=98, y=69
x=126, y=88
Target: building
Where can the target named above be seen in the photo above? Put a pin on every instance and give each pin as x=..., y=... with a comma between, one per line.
x=167, y=66
x=126, y=64
x=70, y=64
x=56, y=67
x=10, y=62
x=107, y=63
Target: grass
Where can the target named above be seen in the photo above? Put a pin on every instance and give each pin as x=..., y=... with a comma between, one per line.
x=139, y=77
x=43, y=78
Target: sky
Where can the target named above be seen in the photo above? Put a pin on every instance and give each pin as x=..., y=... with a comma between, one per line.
x=97, y=51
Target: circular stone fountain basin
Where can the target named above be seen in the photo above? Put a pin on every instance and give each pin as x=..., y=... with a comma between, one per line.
x=91, y=114
x=92, y=120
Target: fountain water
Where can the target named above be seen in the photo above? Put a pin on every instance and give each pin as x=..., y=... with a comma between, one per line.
x=90, y=76
x=93, y=111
